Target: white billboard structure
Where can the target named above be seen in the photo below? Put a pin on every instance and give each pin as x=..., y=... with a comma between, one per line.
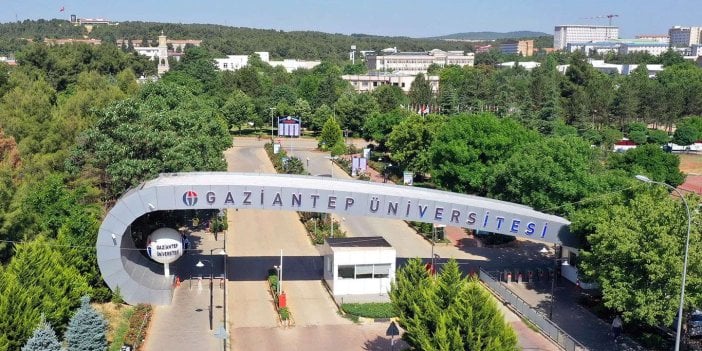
x=289, y=126
x=141, y=280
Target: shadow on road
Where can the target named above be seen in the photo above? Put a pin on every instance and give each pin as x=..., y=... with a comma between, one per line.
x=256, y=268
x=383, y=344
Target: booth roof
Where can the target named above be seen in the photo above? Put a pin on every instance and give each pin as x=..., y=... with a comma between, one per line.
x=367, y=241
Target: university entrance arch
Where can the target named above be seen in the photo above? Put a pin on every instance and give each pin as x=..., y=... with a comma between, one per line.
x=140, y=280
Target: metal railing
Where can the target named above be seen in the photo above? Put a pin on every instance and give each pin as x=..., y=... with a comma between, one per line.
x=546, y=326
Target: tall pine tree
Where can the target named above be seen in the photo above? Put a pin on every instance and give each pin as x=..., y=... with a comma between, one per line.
x=25, y=294
x=43, y=339
x=449, y=313
x=86, y=330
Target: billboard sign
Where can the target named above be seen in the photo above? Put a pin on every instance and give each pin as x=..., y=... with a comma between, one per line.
x=289, y=126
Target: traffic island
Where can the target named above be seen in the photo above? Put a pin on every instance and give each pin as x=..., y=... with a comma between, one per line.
x=280, y=301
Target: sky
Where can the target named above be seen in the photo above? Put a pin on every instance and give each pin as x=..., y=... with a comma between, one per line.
x=413, y=18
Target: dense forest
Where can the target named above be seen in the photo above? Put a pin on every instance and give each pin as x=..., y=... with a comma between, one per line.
x=223, y=40
x=76, y=131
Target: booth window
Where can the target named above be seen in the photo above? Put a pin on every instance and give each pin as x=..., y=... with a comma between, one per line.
x=364, y=271
x=381, y=271
x=346, y=272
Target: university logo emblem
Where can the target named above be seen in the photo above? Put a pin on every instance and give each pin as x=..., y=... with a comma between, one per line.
x=190, y=198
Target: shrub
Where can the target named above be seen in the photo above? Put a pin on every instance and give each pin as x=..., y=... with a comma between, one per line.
x=273, y=282
x=370, y=310
x=117, y=297
x=658, y=137
x=284, y=313
x=344, y=164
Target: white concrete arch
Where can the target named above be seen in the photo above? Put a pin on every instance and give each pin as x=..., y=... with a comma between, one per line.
x=140, y=280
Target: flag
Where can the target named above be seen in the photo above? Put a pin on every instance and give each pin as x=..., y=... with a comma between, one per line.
x=61, y=10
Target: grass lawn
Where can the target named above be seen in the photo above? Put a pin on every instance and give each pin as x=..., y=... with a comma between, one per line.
x=370, y=310
x=117, y=323
x=691, y=163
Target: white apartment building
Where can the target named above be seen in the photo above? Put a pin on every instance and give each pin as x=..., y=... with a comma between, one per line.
x=660, y=38
x=235, y=62
x=685, y=36
x=652, y=48
x=696, y=50
x=368, y=82
x=418, y=62
x=621, y=46
x=577, y=33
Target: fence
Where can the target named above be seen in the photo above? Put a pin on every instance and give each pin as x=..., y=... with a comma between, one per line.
x=547, y=327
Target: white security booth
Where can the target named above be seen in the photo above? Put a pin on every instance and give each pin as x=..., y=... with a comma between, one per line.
x=363, y=267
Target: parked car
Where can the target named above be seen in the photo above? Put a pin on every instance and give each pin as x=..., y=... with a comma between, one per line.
x=694, y=324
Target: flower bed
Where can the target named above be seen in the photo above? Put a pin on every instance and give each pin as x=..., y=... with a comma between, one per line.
x=283, y=312
x=138, y=324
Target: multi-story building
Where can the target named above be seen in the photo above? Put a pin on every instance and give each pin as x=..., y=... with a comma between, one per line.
x=594, y=47
x=159, y=53
x=577, y=33
x=235, y=62
x=418, y=62
x=483, y=49
x=621, y=46
x=659, y=38
x=177, y=45
x=653, y=48
x=368, y=82
x=523, y=47
x=696, y=50
x=91, y=41
x=90, y=23
x=685, y=36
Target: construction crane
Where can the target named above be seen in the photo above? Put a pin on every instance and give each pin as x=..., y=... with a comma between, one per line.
x=610, y=16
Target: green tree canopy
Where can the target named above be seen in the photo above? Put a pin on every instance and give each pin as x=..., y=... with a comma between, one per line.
x=642, y=236
x=467, y=149
x=448, y=313
x=331, y=135
x=650, y=160
x=548, y=174
x=410, y=140
x=379, y=125
x=389, y=97
x=25, y=295
x=165, y=129
x=420, y=92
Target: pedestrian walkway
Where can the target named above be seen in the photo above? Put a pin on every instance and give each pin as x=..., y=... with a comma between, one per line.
x=574, y=319
x=186, y=324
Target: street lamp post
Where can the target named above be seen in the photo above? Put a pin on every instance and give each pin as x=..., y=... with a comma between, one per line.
x=223, y=252
x=279, y=269
x=272, y=108
x=433, y=242
x=200, y=265
x=687, y=245
x=553, y=280
x=331, y=217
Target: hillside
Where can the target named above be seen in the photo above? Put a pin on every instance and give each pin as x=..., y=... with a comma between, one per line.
x=225, y=39
x=491, y=35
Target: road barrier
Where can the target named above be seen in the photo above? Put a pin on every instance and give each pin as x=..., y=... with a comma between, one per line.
x=516, y=303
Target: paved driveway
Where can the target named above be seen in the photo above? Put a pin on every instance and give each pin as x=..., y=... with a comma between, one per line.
x=255, y=239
